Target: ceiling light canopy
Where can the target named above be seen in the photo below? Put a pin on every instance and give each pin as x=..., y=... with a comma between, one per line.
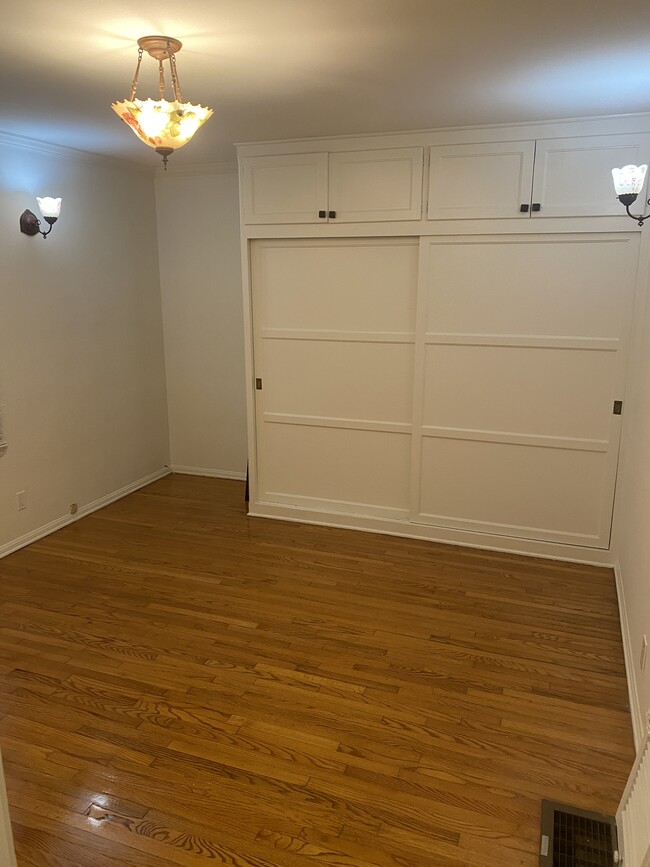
x=160, y=124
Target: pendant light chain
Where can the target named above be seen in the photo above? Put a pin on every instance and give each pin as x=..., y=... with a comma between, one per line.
x=134, y=84
x=175, y=82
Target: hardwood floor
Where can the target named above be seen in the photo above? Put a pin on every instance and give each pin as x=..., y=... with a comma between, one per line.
x=183, y=685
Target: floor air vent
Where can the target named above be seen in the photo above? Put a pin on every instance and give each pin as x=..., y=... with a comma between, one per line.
x=576, y=838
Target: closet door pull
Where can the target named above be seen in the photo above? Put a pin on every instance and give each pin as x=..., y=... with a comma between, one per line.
x=332, y=215
x=322, y=215
x=537, y=206
x=524, y=208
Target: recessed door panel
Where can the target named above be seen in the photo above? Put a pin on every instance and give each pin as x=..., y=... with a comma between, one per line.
x=513, y=489
x=540, y=285
x=287, y=188
x=336, y=469
x=520, y=355
x=471, y=181
x=573, y=176
x=376, y=185
x=549, y=391
x=340, y=285
x=339, y=379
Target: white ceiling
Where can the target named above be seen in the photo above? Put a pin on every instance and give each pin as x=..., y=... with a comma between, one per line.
x=274, y=69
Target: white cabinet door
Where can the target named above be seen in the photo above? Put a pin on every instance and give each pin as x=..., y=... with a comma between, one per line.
x=573, y=176
x=366, y=186
x=288, y=188
x=519, y=357
x=334, y=333
x=480, y=180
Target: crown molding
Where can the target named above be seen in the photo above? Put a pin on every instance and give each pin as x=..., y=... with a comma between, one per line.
x=637, y=121
x=50, y=149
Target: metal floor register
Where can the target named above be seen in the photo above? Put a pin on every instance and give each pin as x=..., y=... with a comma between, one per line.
x=576, y=838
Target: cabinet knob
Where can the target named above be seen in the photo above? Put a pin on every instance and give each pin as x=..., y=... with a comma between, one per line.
x=536, y=206
x=524, y=208
x=322, y=214
x=332, y=215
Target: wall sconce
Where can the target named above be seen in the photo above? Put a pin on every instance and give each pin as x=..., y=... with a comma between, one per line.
x=50, y=209
x=628, y=183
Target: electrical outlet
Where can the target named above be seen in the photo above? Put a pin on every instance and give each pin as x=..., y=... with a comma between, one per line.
x=644, y=651
x=21, y=501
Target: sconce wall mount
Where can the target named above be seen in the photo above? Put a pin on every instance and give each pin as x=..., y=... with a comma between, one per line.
x=50, y=209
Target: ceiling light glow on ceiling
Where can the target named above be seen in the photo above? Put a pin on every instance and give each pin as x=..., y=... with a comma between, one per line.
x=628, y=183
x=162, y=125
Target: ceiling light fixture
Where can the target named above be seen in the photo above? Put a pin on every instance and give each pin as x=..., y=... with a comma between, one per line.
x=50, y=209
x=162, y=125
x=628, y=183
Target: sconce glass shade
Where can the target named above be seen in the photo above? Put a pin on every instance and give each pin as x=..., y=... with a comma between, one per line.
x=162, y=124
x=49, y=207
x=629, y=180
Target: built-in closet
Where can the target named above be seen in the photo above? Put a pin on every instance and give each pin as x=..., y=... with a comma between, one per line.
x=438, y=326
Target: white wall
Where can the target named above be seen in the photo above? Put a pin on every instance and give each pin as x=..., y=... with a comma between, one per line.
x=200, y=278
x=631, y=530
x=82, y=382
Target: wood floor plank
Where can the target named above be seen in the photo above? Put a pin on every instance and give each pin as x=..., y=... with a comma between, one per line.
x=182, y=685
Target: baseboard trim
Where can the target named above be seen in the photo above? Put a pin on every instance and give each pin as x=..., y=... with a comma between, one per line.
x=638, y=725
x=444, y=535
x=59, y=523
x=209, y=473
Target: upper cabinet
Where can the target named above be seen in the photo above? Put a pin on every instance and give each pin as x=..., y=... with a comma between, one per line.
x=565, y=177
x=290, y=188
x=348, y=186
x=573, y=176
x=515, y=179
x=480, y=180
x=365, y=186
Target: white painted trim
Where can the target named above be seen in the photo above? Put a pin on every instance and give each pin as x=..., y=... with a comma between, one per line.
x=59, y=523
x=397, y=337
x=209, y=473
x=442, y=229
x=401, y=427
x=638, y=725
x=447, y=536
x=7, y=853
x=348, y=508
x=31, y=144
x=558, y=128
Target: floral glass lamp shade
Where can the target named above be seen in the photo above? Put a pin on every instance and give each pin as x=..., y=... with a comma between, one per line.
x=628, y=183
x=161, y=124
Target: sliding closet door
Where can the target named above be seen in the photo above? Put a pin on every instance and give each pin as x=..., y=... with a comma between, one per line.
x=334, y=335
x=520, y=357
